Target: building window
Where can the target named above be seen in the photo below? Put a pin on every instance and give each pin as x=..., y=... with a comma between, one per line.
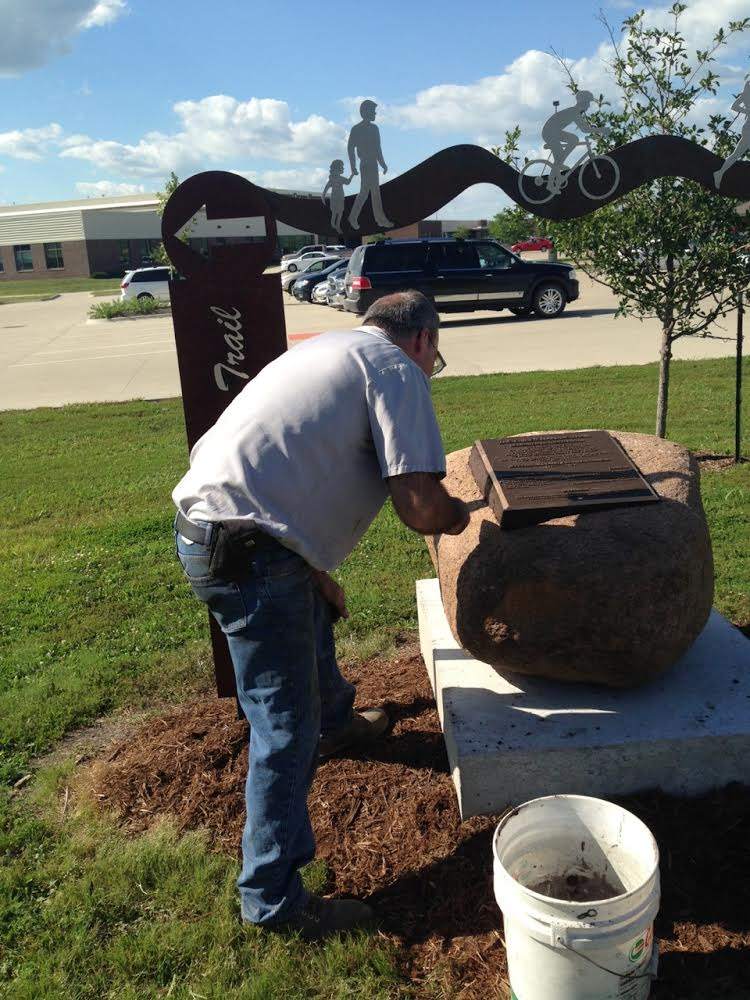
x=148, y=248
x=22, y=252
x=53, y=255
x=2, y=266
x=124, y=254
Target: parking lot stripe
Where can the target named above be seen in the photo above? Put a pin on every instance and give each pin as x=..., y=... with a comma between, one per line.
x=132, y=343
x=96, y=357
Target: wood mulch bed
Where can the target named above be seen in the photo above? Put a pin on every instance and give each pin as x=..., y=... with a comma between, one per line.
x=709, y=462
x=388, y=827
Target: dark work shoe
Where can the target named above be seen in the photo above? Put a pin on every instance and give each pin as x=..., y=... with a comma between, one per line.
x=363, y=729
x=319, y=918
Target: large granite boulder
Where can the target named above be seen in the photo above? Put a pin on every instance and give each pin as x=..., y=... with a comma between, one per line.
x=611, y=596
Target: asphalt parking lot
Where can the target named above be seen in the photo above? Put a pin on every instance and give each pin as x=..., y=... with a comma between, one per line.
x=51, y=355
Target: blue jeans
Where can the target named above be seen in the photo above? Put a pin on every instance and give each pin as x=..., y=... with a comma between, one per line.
x=278, y=627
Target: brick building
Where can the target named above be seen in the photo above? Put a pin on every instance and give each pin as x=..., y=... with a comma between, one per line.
x=89, y=237
x=104, y=237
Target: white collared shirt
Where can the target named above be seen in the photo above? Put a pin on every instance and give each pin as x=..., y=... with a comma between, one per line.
x=304, y=450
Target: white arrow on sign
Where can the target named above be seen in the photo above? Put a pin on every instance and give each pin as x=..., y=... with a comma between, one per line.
x=201, y=227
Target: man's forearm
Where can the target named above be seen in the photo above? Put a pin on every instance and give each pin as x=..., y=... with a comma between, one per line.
x=424, y=505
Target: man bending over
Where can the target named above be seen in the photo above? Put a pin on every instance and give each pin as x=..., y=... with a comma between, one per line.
x=279, y=492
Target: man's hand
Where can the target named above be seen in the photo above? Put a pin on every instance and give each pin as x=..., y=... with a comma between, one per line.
x=424, y=505
x=331, y=591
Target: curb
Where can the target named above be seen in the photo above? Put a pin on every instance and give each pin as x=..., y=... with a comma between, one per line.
x=128, y=319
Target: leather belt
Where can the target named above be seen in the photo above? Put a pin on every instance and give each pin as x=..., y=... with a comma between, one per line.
x=194, y=532
x=253, y=538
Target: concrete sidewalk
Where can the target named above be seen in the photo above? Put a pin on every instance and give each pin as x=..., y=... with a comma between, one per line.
x=51, y=355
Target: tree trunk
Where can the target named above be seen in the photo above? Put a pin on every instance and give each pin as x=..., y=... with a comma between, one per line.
x=665, y=356
x=738, y=381
x=665, y=352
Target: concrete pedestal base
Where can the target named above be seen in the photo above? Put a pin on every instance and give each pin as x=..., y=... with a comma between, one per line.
x=512, y=738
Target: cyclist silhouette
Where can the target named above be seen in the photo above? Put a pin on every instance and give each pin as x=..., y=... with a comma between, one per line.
x=562, y=143
x=742, y=107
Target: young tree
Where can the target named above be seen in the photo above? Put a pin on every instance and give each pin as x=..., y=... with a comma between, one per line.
x=514, y=224
x=668, y=249
x=462, y=233
x=159, y=254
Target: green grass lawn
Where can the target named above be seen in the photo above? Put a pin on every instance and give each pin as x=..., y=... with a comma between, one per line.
x=95, y=615
x=11, y=299
x=55, y=286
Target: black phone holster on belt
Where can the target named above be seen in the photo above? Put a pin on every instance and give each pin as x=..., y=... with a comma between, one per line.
x=231, y=550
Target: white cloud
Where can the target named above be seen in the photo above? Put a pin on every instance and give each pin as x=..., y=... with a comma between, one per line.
x=104, y=12
x=482, y=201
x=35, y=31
x=702, y=19
x=30, y=143
x=214, y=130
x=104, y=189
x=522, y=94
x=302, y=179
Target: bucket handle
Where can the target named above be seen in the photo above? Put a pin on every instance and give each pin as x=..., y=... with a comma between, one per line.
x=650, y=972
x=560, y=934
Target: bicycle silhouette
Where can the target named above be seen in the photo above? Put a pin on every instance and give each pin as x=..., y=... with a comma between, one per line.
x=598, y=176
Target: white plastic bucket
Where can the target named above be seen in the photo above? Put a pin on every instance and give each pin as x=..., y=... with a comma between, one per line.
x=584, y=950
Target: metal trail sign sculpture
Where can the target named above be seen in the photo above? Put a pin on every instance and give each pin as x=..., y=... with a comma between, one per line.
x=228, y=315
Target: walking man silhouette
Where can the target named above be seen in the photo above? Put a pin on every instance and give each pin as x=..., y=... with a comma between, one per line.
x=364, y=140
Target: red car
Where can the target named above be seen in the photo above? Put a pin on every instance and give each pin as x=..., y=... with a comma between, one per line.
x=533, y=243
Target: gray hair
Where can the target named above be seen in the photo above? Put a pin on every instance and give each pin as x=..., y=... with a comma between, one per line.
x=402, y=315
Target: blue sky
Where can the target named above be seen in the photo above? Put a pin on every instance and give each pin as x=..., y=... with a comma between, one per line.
x=108, y=96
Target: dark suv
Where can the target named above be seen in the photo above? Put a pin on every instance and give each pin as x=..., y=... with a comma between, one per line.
x=459, y=276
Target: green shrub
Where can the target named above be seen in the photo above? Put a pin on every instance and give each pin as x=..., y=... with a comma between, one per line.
x=127, y=307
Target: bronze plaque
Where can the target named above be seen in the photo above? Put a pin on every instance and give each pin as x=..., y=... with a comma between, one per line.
x=539, y=476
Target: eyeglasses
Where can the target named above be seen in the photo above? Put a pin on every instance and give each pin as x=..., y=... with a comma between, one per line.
x=439, y=363
x=438, y=366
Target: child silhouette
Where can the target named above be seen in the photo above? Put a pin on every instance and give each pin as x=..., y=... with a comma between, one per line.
x=336, y=182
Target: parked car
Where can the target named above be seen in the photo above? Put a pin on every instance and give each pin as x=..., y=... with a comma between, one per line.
x=315, y=264
x=298, y=253
x=287, y=280
x=337, y=289
x=319, y=294
x=458, y=276
x=314, y=248
x=295, y=264
x=533, y=243
x=303, y=286
x=145, y=283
